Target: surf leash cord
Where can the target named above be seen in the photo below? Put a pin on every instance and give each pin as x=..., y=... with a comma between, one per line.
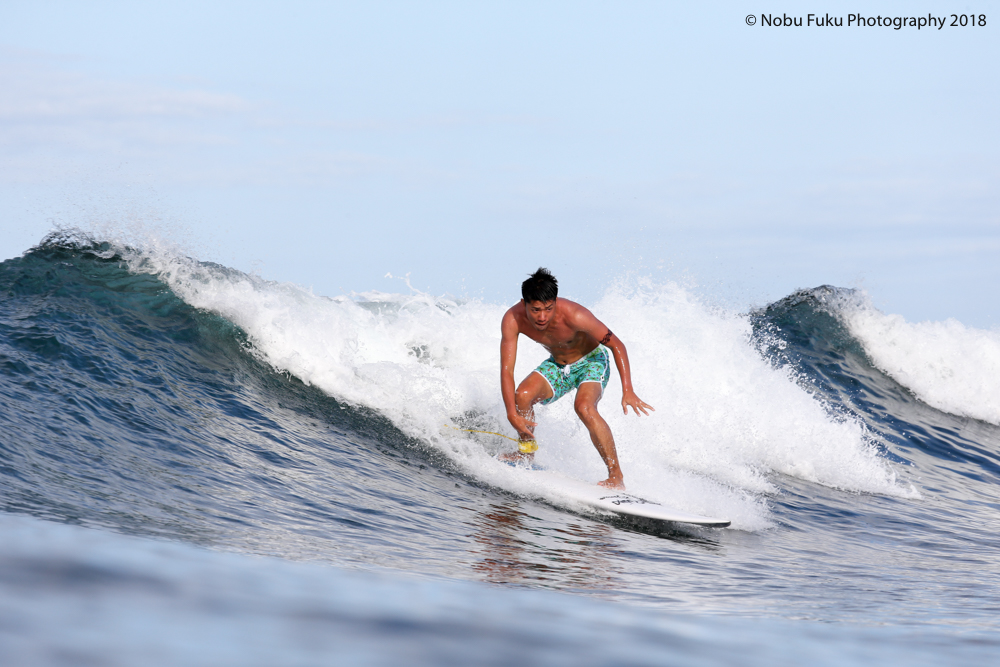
x=524, y=446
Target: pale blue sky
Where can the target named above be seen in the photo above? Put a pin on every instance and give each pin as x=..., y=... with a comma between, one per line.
x=468, y=143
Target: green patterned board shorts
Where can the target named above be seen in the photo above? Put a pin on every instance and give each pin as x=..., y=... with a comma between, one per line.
x=595, y=367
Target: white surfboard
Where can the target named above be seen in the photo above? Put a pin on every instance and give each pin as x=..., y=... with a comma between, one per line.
x=618, y=503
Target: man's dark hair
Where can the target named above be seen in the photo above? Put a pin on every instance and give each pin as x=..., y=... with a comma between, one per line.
x=540, y=286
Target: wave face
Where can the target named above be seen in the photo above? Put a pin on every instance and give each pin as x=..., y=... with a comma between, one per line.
x=151, y=394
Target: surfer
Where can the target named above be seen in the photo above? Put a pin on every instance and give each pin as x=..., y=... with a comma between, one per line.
x=579, y=344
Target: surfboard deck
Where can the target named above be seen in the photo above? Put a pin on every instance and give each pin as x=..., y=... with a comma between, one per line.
x=618, y=503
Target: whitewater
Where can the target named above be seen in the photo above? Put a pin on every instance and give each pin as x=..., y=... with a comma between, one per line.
x=180, y=438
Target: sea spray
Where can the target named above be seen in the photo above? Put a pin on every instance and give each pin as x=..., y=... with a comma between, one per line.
x=725, y=411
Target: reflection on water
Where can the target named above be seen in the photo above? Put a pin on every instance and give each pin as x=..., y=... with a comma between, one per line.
x=510, y=546
x=513, y=542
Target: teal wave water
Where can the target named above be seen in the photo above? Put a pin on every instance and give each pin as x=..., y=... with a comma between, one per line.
x=187, y=450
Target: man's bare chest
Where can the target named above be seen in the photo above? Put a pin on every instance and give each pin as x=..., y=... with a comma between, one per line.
x=558, y=340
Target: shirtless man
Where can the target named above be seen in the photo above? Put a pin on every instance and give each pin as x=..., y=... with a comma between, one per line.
x=576, y=339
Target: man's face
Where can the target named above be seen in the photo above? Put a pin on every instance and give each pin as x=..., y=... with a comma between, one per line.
x=540, y=313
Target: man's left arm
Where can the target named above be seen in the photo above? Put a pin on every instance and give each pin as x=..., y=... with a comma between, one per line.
x=586, y=321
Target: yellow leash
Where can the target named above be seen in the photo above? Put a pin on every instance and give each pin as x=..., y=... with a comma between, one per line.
x=524, y=446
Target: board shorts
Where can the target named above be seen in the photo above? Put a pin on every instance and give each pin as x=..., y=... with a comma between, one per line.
x=563, y=378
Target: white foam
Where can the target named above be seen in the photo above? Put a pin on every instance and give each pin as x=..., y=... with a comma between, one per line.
x=725, y=418
x=947, y=365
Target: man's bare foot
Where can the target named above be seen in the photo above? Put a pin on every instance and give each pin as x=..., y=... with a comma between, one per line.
x=516, y=457
x=618, y=484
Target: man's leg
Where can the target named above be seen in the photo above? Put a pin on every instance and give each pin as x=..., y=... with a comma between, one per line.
x=532, y=389
x=587, y=397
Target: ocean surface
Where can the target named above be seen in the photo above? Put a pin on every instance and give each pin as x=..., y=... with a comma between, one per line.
x=202, y=467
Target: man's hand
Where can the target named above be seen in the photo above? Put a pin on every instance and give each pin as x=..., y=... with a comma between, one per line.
x=525, y=428
x=630, y=400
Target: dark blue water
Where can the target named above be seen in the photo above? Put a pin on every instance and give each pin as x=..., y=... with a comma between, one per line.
x=171, y=494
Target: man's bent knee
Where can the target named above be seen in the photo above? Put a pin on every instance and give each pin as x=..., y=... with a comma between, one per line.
x=586, y=411
x=529, y=393
x=526, y=398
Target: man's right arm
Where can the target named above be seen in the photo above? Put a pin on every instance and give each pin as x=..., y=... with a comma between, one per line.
x=508, y=355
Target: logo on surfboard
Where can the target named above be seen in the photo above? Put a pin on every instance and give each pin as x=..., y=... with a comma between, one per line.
x=622, y=499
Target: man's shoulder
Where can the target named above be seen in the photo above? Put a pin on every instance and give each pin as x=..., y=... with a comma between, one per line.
x=572, y=305
x=513, y=310
x=510, y=318
x=571, y=310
